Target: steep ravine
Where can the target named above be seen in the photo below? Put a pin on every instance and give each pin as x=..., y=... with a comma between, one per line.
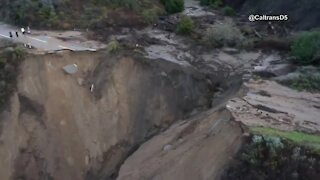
x=55, y=128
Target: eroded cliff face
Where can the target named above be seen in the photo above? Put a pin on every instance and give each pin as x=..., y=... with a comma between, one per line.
x=56, y=128
x=198, y=148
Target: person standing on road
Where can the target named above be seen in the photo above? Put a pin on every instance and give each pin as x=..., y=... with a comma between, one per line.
x=10, y=34
x=23, y=31
x=17, y=34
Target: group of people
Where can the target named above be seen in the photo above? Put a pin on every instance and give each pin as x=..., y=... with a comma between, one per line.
x=23, y=31
x=11, y=36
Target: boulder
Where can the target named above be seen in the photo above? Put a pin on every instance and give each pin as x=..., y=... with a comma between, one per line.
x=70, y=68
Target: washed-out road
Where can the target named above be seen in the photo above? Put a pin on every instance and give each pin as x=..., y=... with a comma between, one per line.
x=40, y=42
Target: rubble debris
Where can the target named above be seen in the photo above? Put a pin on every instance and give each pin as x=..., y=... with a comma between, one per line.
x=70, y=68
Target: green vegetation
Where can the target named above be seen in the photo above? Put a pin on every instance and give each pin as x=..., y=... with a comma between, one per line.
x=68, y=14
x=10, y=59
x=185, y=26
x=151, y=15
x=212, y=3
x=24, y=11
x=173, y=6
x=305, y=82
x=224, y=34
x=130, y=4
x=266, y=157
x=293, y=136
x=308, y=79
x=113, y=46
x=18, y=53
x=229, y=11
x=306, y=47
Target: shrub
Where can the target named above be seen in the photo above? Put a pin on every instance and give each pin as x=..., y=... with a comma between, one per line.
x=273, y=157
x=66, y=13
x=228, y=11
x=306, y=47
x=10, y=59
x=212, y=3
x=19, y=53
x=173, y=6
x=308, y=82
x=185, y=26
x=151, y=15
x=225, y=34
x=113, y=46
x=131, y=4
x=38, y=13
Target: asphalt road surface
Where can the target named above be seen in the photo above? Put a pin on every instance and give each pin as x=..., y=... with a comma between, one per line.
x=40, y=42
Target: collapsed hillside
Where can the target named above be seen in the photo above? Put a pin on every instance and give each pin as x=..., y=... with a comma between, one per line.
x=141, y=112
x=54, y=127
x=197, y=148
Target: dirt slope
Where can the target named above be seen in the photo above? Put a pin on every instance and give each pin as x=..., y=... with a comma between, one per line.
x=55, y=128
x=198, y=148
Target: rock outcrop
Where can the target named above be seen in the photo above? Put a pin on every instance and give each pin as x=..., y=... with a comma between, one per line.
x=270, y=104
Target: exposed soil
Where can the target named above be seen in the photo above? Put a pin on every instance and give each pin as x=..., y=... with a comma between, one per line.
x=63, y=131
x=161, y=107
x=202, y=144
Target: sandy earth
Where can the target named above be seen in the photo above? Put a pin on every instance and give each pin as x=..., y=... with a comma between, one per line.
x=150, y=108
x=63, y=131
x=41, y=114
x=197, y=148
x=56, y=128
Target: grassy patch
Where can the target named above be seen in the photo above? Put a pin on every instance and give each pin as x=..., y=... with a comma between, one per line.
x=306, y=47
x=305, y=82
x=294, y=136
x=224, y=34
x=10, y=59
x=151, y=15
